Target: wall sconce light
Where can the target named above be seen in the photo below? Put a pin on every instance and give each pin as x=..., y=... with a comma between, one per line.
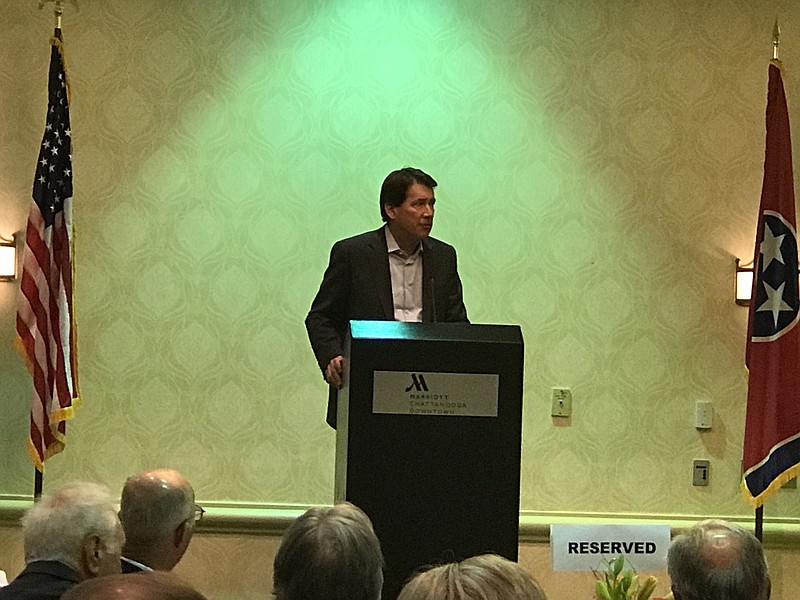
x=744, y=283
x=8, y=259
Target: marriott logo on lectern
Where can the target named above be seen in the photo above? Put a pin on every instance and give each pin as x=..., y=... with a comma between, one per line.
x=417, y=383
x=419, y=399
x=420, y=392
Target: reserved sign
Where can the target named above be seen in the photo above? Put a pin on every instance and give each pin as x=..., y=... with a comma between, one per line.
x=590, y=547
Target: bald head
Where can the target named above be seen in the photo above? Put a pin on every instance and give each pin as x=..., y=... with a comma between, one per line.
x=150, y=585
x=716, y=560
x=156, y=482
x=720, y=547
x=157, y=512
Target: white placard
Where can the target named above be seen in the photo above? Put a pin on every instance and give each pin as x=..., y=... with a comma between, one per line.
x=439, y=394
x=590, y=547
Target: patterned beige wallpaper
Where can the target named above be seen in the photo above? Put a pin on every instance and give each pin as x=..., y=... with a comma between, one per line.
x=599, y=166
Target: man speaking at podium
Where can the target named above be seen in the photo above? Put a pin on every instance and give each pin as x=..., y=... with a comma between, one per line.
x=397, y=272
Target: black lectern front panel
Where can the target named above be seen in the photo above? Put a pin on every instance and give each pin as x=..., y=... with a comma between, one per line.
x=438, y=482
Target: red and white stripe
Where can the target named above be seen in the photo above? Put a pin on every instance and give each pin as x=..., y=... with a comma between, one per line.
x=45, y=329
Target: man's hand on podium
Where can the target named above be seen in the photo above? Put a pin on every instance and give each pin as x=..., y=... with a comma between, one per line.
x=333, y=372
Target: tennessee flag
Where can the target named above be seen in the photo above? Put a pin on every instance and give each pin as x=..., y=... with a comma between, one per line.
x=771, y=454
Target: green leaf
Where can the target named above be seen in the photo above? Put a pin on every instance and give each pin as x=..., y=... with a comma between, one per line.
x=601, y=590
x=647, y=589
x=625, y=582
x=618, y=564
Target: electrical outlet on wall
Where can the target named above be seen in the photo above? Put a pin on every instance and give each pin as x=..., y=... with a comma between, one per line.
x=701, y=472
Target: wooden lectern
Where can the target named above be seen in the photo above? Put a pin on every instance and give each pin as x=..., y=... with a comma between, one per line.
x=428, y=439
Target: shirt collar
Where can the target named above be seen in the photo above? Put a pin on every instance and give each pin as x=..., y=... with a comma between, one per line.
x=143, y=567
x=391, y=243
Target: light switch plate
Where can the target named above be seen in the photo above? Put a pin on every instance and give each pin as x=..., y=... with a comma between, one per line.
x=703, y=415
x=562, y=403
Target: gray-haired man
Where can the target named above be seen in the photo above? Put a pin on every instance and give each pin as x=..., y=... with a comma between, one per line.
x=69, y=536
x=716, y=560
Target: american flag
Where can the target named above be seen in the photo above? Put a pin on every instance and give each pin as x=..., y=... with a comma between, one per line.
x=45, y=328
x=771, y=454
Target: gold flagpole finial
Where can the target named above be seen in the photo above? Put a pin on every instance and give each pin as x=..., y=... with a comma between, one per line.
x=58, y=9
x=776, y=40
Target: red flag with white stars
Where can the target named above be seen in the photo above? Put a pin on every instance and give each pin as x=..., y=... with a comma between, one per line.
x=771, y=454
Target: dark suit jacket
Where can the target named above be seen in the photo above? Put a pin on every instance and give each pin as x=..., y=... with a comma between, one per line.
x=41, y=580
x=357, y=285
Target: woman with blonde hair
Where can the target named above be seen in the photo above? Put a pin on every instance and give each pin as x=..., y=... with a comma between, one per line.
x=483, y=577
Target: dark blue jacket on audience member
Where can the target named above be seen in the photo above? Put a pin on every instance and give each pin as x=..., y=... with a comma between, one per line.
x=41, y=580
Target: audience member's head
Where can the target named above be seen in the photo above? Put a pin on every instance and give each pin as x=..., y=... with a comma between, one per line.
x=147, y=585
x=329, y=554
x=76, y=525
x=484, y=577
x=158, y=513
x=716, y=560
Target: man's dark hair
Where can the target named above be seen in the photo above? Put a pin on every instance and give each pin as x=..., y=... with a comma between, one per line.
x=395, y=186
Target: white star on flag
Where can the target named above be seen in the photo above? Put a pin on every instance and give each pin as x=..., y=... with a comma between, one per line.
x=774, y=303
x=771, y=248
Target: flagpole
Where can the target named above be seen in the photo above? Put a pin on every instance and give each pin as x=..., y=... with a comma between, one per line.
x=759, y=512
x=58, y=11
x=37, y=484
x=776, y=40
x=759, y=529
x=38, y=479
